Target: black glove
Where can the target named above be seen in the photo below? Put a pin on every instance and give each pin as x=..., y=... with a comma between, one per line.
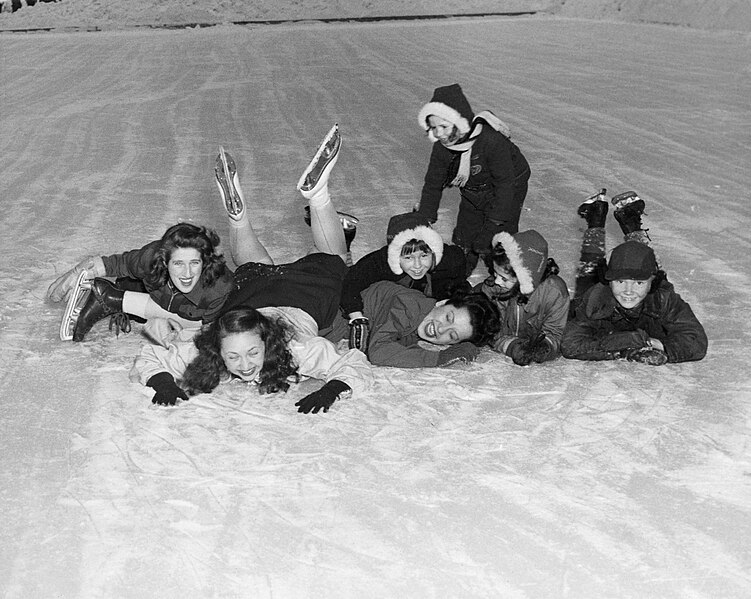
x=167, y=391
x=624, y=340
x=323, y=398
x=647, y=355
x=359, y=334
x=459, y=352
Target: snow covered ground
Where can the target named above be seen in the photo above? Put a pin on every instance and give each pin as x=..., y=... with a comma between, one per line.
x=566, y=480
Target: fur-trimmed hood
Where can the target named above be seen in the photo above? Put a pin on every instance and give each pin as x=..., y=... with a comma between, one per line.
x=450, y=104
x=405, y=227
x=527, y=252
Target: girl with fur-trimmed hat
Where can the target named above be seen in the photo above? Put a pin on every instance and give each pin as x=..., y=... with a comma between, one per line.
x=532, y=299
x=475, y=154
x=415, y=257
x=627, y=308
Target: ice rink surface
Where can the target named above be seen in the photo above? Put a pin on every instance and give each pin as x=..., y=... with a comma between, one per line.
x=567, y=480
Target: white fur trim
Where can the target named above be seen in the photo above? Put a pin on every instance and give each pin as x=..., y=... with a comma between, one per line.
x=514, y=253
x=430, y=236
x=444, y=112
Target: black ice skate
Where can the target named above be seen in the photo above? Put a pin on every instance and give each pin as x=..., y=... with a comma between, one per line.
x=629, y=208
x=594, y=209
x=229, y=184
x=349, y=225
x=316, y=175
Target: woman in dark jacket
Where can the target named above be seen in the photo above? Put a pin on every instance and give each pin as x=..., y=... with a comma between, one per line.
x=635, y=312
x=180, y=276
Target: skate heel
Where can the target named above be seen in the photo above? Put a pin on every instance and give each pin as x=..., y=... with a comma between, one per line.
x=77, y=299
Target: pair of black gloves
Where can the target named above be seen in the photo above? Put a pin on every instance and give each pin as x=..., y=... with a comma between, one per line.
x=633, y=346
x=168, y=392
x=525, y=350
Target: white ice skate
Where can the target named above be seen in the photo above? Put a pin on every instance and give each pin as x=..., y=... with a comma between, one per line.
x=316, y=174
x=229, y=184
x=76, y=301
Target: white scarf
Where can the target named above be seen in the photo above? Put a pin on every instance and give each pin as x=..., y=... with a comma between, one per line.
x=462, y=176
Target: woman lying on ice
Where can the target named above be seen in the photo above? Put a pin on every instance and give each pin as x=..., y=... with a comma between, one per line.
x=634, y=313
x=268, y=332
x=532, y=299
x=179, y=276
x=401, y=295
x=414, y=256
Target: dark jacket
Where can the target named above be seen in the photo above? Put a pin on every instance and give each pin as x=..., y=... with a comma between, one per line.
x=203, y=303
x=545, y=311
x=495, y=165
x=662, y=315
x=448, y=275
x=395, y=313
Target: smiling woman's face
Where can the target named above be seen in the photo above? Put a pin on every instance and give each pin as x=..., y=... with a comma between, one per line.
x=243, y=355
x=185, y=267
x=446, y=325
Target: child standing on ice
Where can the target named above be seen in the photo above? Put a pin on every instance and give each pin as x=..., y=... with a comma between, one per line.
x=474, y=153
x=634, y=312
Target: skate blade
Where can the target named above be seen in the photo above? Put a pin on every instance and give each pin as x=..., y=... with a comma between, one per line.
x=324, y=157
x=347, y=220
x=225, y=172
x=76, y=301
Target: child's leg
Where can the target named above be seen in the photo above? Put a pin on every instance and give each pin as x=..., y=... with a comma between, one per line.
x=243, y=241
x=325, y=224
x=592, y=256
x=629, y=208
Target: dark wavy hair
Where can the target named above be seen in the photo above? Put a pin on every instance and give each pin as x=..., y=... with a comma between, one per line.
x=483, y=315
x=187, y=235
x=206, y=370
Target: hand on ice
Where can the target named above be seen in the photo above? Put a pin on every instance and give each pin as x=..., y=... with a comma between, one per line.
x=322, y=399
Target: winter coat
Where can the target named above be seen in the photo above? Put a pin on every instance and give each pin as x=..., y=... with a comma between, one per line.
x=203, y=303
x=314, y=356
x=545, y=311
x=448, y=275
x=662, y=315
x=495, y=164
x=394, y=312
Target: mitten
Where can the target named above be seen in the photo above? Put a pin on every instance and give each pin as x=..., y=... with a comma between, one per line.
x=647, y=355
x=520, y=352
x=359, y=334
x=542, y=350
x=167, y=391
x=624, y=340
x=459, y=352
x=323, y=398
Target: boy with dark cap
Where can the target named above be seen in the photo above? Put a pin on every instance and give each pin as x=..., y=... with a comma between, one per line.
x=634, y=312
x=476, y=155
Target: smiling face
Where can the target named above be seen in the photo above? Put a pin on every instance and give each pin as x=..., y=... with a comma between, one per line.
x=243, y=355
x=629, y=293
x=446, y=325
x=443, y=130
x=185, y=267
x=417, y=264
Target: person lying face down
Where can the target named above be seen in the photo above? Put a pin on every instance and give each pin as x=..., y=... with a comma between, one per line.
x=407, y=329
x=634, y=314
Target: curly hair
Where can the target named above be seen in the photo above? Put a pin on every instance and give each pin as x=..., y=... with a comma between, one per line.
x=208, y=368
x=187, y=235
x=483, y=315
